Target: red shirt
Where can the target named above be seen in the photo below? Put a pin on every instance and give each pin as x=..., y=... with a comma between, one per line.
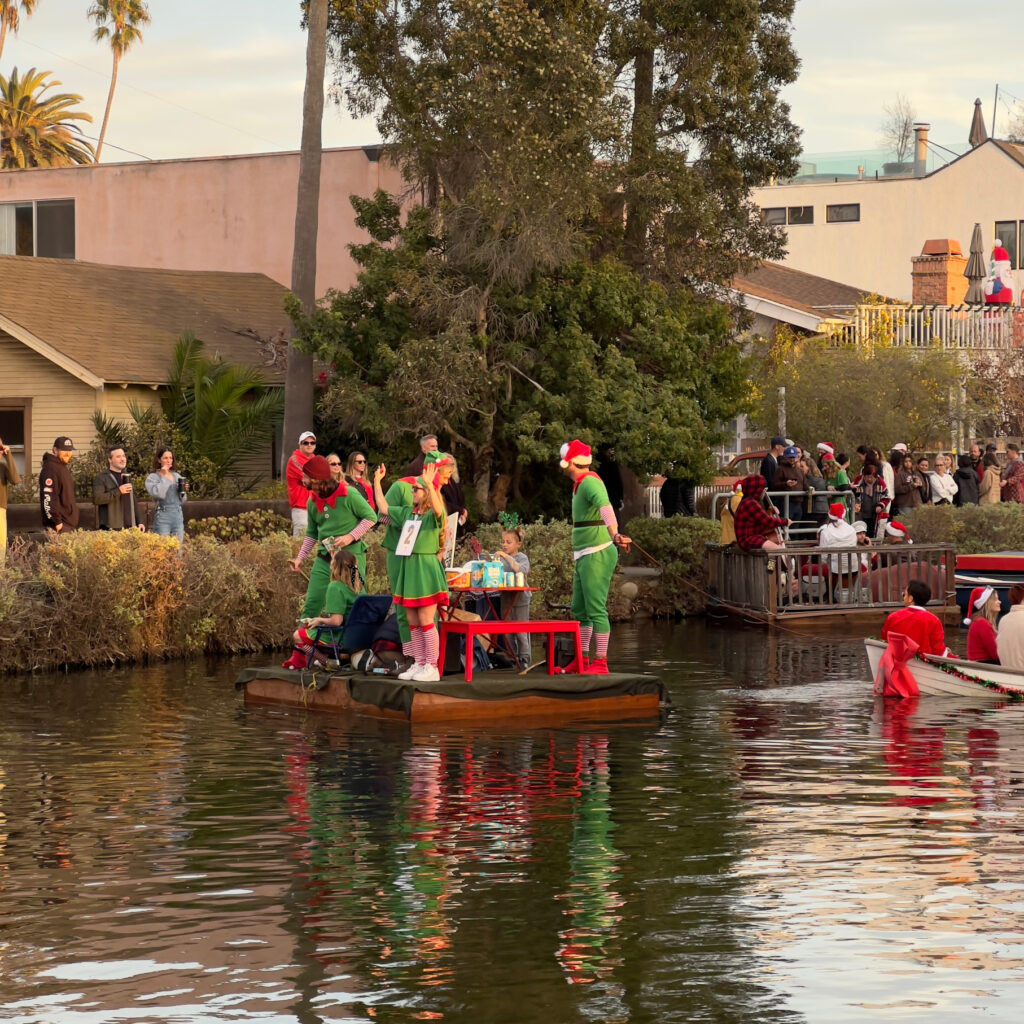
x=297, y=494
x=981, y=641
x=920, y=625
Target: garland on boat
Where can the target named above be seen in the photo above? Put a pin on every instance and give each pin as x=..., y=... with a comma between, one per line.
x=988, y=684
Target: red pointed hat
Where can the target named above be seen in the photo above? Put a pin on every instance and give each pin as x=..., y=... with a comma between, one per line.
x=575, y=451
x=979, y=598
x=318, y=468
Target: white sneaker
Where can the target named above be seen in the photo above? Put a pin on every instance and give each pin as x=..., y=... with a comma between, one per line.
x=427, y=674
x=410, y=672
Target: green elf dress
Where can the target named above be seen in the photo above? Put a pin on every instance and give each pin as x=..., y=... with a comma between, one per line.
x=399, y=494
x=594, y=554
x=420, y=579
x=332, y=517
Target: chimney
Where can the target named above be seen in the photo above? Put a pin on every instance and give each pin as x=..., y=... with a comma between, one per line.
x=921, y=149
x=937, y=275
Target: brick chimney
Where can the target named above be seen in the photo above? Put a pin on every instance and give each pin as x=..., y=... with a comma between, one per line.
x=938, y=273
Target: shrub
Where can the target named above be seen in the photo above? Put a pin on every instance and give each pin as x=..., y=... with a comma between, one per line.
x=678, y=545
x=972, y=530
x=256, y=524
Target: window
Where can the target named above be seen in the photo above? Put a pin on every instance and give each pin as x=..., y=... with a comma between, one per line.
x=774, y=215
x=15, y=417
x=801, y=215
x=1006, y=232
x=842, y=213
x=43, y=228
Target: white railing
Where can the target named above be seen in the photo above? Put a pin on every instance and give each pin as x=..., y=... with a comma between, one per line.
x=950, y=327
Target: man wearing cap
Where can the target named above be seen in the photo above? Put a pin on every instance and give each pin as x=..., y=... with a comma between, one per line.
x=8, y=477
x=57, y=488
x=770, y=462
x=117, y=505
x=789, y=477
x=294, y=475
x=595, y=536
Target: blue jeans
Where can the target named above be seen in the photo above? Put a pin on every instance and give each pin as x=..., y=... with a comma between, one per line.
x=169, y=522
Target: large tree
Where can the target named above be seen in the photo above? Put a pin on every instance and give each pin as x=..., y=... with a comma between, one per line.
x=118, y=21
x=40, y=130
x=588, y=349
x=10, y=16
x=298, y=414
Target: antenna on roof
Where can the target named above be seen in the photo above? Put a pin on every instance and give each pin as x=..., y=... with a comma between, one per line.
x=994, y=102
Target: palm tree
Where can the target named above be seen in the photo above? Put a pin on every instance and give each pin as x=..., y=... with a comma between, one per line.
x=38, y=130
x=10, y=11
x=118, y=21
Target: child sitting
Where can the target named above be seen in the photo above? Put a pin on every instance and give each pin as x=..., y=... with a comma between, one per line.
x=515, y=607
x=344, y=587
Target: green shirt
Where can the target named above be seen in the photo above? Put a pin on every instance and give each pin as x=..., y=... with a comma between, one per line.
x=428, y=540
x=399, y=493
x=588, y=498
x=340, y=515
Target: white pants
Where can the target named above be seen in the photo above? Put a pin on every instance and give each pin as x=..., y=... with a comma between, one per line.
x=299, y=522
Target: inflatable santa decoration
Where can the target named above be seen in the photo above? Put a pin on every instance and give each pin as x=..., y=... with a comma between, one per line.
x=999, y=284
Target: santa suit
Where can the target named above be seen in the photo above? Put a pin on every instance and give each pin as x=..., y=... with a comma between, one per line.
x=920, y=625
x=999, y=286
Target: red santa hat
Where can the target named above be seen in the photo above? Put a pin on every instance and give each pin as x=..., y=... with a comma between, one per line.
x=837, y=510
x=575, y=452
x=895, y=529
x=979, y=598
x=826, y=448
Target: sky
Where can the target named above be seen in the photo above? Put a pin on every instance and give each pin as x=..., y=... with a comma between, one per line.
x=226, y=76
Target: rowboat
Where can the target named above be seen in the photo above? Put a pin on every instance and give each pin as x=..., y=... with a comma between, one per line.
x=955, y=677
x=490, y=697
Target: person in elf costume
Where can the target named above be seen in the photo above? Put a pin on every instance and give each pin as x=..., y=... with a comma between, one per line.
x=999, y=284
x=595, y=536
x=400, y=493
x=337, y=518
x=420, y=586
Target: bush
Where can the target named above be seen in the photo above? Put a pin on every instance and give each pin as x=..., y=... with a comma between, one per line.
x=256, y=524
x=678, y=545
x=972, y=530
x=93, y=598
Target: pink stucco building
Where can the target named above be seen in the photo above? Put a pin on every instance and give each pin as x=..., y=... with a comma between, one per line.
x=234, y=213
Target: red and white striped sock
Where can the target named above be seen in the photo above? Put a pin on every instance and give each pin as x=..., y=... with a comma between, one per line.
x=419, y=646
x=431, y=643
x=601, y=639
x=585, y=634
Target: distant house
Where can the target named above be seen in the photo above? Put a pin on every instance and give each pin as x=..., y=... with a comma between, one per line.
x=867, y=231
x=80, y=338
x=232, y=213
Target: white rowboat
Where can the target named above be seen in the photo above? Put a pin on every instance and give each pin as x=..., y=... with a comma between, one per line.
x=954, y=677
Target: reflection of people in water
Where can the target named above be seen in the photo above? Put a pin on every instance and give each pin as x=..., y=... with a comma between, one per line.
x=913, y=752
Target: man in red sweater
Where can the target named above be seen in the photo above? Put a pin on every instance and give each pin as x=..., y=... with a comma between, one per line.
x=298, y=494
x=915, y=621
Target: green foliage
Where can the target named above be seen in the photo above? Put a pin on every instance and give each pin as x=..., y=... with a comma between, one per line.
x=855, y=395
x=40, y=130
x=591, y=351
x=256, y=524
x=92, y=598
x=678, y=545
x=972, y=530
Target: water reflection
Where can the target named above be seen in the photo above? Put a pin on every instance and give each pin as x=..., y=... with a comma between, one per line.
x=781, y=847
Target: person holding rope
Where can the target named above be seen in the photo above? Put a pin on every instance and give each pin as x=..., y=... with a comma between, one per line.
x=595, y=537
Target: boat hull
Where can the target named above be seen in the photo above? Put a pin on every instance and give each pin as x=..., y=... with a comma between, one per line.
x=936, y=676
x=491, y=696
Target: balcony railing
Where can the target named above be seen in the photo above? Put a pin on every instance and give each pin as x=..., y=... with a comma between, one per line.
x=949, y=327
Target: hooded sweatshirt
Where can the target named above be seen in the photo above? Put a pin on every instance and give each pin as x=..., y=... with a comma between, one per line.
x=57, y=494
x=753, y=522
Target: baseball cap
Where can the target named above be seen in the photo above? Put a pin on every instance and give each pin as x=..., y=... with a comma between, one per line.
x=307, y=434
x=64, y=444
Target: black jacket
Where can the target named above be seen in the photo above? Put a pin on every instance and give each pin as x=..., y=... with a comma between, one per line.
x=967, y=486
x=57, y=494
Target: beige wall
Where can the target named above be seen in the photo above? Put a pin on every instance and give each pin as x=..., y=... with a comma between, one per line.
x=232, y=213
x=897, y=217
x=61, y=404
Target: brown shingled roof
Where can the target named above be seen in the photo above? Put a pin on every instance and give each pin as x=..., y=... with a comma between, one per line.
x=122, y=323
x=798, y=290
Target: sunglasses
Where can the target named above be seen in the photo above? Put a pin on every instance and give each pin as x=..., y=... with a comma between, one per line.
x=307, y=442
x=360, y=462
x=333, y=463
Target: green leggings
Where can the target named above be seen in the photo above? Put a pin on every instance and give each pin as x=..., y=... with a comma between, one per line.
x=392, y=562
x=591, y=580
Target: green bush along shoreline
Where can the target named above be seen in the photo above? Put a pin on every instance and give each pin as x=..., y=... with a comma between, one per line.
x=95, y=598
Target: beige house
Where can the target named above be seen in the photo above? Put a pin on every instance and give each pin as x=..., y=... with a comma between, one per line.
x=867, y=232
x=81, y=338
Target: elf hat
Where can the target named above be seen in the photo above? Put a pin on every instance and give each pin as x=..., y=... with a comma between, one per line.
x=837, y=510
x=317, y=468
x=439, y=459
x=979, y=598
x=575, y=452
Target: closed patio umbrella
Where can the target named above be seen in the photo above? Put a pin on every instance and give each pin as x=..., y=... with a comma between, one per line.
x=975, y=271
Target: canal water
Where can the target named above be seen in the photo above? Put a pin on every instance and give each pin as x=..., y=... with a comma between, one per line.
x=777, y=847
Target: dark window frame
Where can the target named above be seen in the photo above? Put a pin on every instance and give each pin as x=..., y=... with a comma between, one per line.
x=799, y=214
x=1012, y=250
x=24, y=406
x=778, y=211
x=829, y=219
x=33, y=205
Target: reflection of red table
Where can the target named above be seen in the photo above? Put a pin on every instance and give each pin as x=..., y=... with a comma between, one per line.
x=548, y=627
